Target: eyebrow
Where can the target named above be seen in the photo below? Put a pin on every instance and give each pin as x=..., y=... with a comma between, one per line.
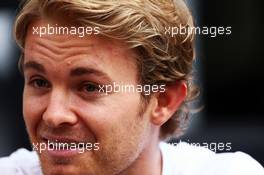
x=33, y=65
x=79, y=71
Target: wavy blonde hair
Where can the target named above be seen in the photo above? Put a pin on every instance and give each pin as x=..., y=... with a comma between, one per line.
x=162, y=59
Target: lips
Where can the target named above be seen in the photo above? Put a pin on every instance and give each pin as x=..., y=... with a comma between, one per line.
x=61, y=140
x=63, y=144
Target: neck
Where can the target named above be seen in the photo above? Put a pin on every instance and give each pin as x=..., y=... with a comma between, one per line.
x=149, y=161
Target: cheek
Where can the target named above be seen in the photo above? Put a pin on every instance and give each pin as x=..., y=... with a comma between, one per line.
x=32, y=111
x=114, y=113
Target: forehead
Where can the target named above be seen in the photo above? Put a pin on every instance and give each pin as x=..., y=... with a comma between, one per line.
x=95, y=49
x=63, y=42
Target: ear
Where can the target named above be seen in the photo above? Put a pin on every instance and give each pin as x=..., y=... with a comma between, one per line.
x=168, y=102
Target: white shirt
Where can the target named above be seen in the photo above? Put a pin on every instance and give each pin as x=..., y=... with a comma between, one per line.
x=182, y=159
x=21, y=162
x=186, y=159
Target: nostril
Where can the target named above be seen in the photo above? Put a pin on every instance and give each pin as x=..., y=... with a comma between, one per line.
x=55, y=118
x=58, y=110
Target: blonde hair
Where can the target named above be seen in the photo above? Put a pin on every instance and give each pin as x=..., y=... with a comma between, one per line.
x=162, y=58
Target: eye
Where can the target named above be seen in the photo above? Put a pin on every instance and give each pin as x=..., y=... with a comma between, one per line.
x=91, y=87
x=39, y=83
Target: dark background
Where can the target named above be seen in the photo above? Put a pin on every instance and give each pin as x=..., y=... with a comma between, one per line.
x=230, y=71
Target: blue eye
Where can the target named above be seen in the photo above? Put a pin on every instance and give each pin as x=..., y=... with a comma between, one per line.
x=39, y=83
x=91, y=87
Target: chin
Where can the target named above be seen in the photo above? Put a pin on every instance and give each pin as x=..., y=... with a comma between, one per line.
x=52, y=165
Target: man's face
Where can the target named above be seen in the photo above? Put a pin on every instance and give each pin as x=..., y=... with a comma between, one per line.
x=62, y=103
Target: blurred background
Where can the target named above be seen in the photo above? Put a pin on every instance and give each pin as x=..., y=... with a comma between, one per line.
x=229, y=69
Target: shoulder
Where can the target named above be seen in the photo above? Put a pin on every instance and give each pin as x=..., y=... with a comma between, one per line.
x=193, y=160
x=21, y=162
x=236, y=163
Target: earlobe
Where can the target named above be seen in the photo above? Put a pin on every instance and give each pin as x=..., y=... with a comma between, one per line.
x=168, y=102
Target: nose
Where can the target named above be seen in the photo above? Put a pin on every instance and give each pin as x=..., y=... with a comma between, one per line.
x=58, y=111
